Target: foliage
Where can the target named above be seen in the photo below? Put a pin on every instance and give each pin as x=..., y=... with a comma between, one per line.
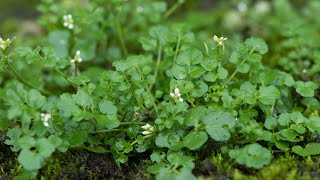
x=168, y=97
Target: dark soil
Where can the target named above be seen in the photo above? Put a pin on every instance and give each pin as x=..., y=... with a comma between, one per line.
x=81, y=164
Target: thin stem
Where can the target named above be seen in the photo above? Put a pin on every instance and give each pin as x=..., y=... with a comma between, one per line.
x=75, y=69
x=65, y=77
x=138, y=101
x=132, y=122
x=176, y=52
x=157, y=65
x=149, y=91
x=22, y=80
x=120, y=37
x=171, y=10
x=107, y=130
x=236, y=71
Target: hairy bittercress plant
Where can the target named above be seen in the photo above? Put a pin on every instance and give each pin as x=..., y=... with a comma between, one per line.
x=172, y=100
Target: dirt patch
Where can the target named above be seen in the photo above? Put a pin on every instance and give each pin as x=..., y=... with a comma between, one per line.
x=78, y=164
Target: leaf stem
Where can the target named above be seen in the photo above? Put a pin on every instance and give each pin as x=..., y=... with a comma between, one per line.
x=65, y=77
x=22, y=80
x=242, y=62
x=120, y=36
x=157, y=65
x=171, y=10
x=149, y=91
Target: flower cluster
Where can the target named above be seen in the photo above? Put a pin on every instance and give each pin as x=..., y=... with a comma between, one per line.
x=45, y=119
x=176, y=95
x=68, y=21
x=77, y=58
x=4, y=44
x=218, y=40
x=148, y=129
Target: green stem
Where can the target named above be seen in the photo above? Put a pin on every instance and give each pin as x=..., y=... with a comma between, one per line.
x=136, y=98
x=149, y=91
x=120, y=37
x=171, y=10
x=132, y=122
x=236, y=71
x=107, y=130
x=157, y=65
x=176, y=53
x=22, y=80
x=65, y=77
x=75, y=69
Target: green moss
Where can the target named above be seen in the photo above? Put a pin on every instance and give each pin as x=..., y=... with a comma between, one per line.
x=61, y=166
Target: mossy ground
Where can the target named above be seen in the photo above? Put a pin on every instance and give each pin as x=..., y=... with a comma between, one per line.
x=81, y=164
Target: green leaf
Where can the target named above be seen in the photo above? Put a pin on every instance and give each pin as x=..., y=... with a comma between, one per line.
x=107, y=107
x=67, y=106
x=268, y=95
x=195, y=116
x=190, y=57
x=309, y=150
x=289, y=135
x=200, y=89
x=29, y=160
x=154, y=169
x=270, y=123
x=35, y=99
x=109, y=121
x=216, y=123
x=44, y=147
x=210, y=76
x=306, y=89
x=195, y=140
x=252, y=155
x=26, y=142
x=257, y=44
x=83, y=99
x=243, y=68
x=222, y=73
x=284, y=119
x=209, y=64
x=59, y=41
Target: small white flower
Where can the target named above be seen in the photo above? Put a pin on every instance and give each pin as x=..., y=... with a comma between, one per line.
x=4, y=44
x=148, y=129
x=242, y=7
x=147, y=126
x=218, y=40
x=304, y=71
x=176, y=95
x=45, y=119
x=146, y=132
x=68, y=21
x=77, y=58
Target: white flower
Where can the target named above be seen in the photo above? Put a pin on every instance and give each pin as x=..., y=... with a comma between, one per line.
x=4, y=44
x=304, y=71
x=45, y=119
x=176, y=95
x=148, y=129
x=68, y=21
x=220, y=40
x=77, y=58
x=242, y=7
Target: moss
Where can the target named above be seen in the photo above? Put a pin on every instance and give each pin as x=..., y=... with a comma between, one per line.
x=60, y=166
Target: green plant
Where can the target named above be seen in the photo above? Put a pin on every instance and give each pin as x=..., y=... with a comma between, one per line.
x=89, y=89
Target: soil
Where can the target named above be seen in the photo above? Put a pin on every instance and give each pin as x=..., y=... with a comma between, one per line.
x=81, y=164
